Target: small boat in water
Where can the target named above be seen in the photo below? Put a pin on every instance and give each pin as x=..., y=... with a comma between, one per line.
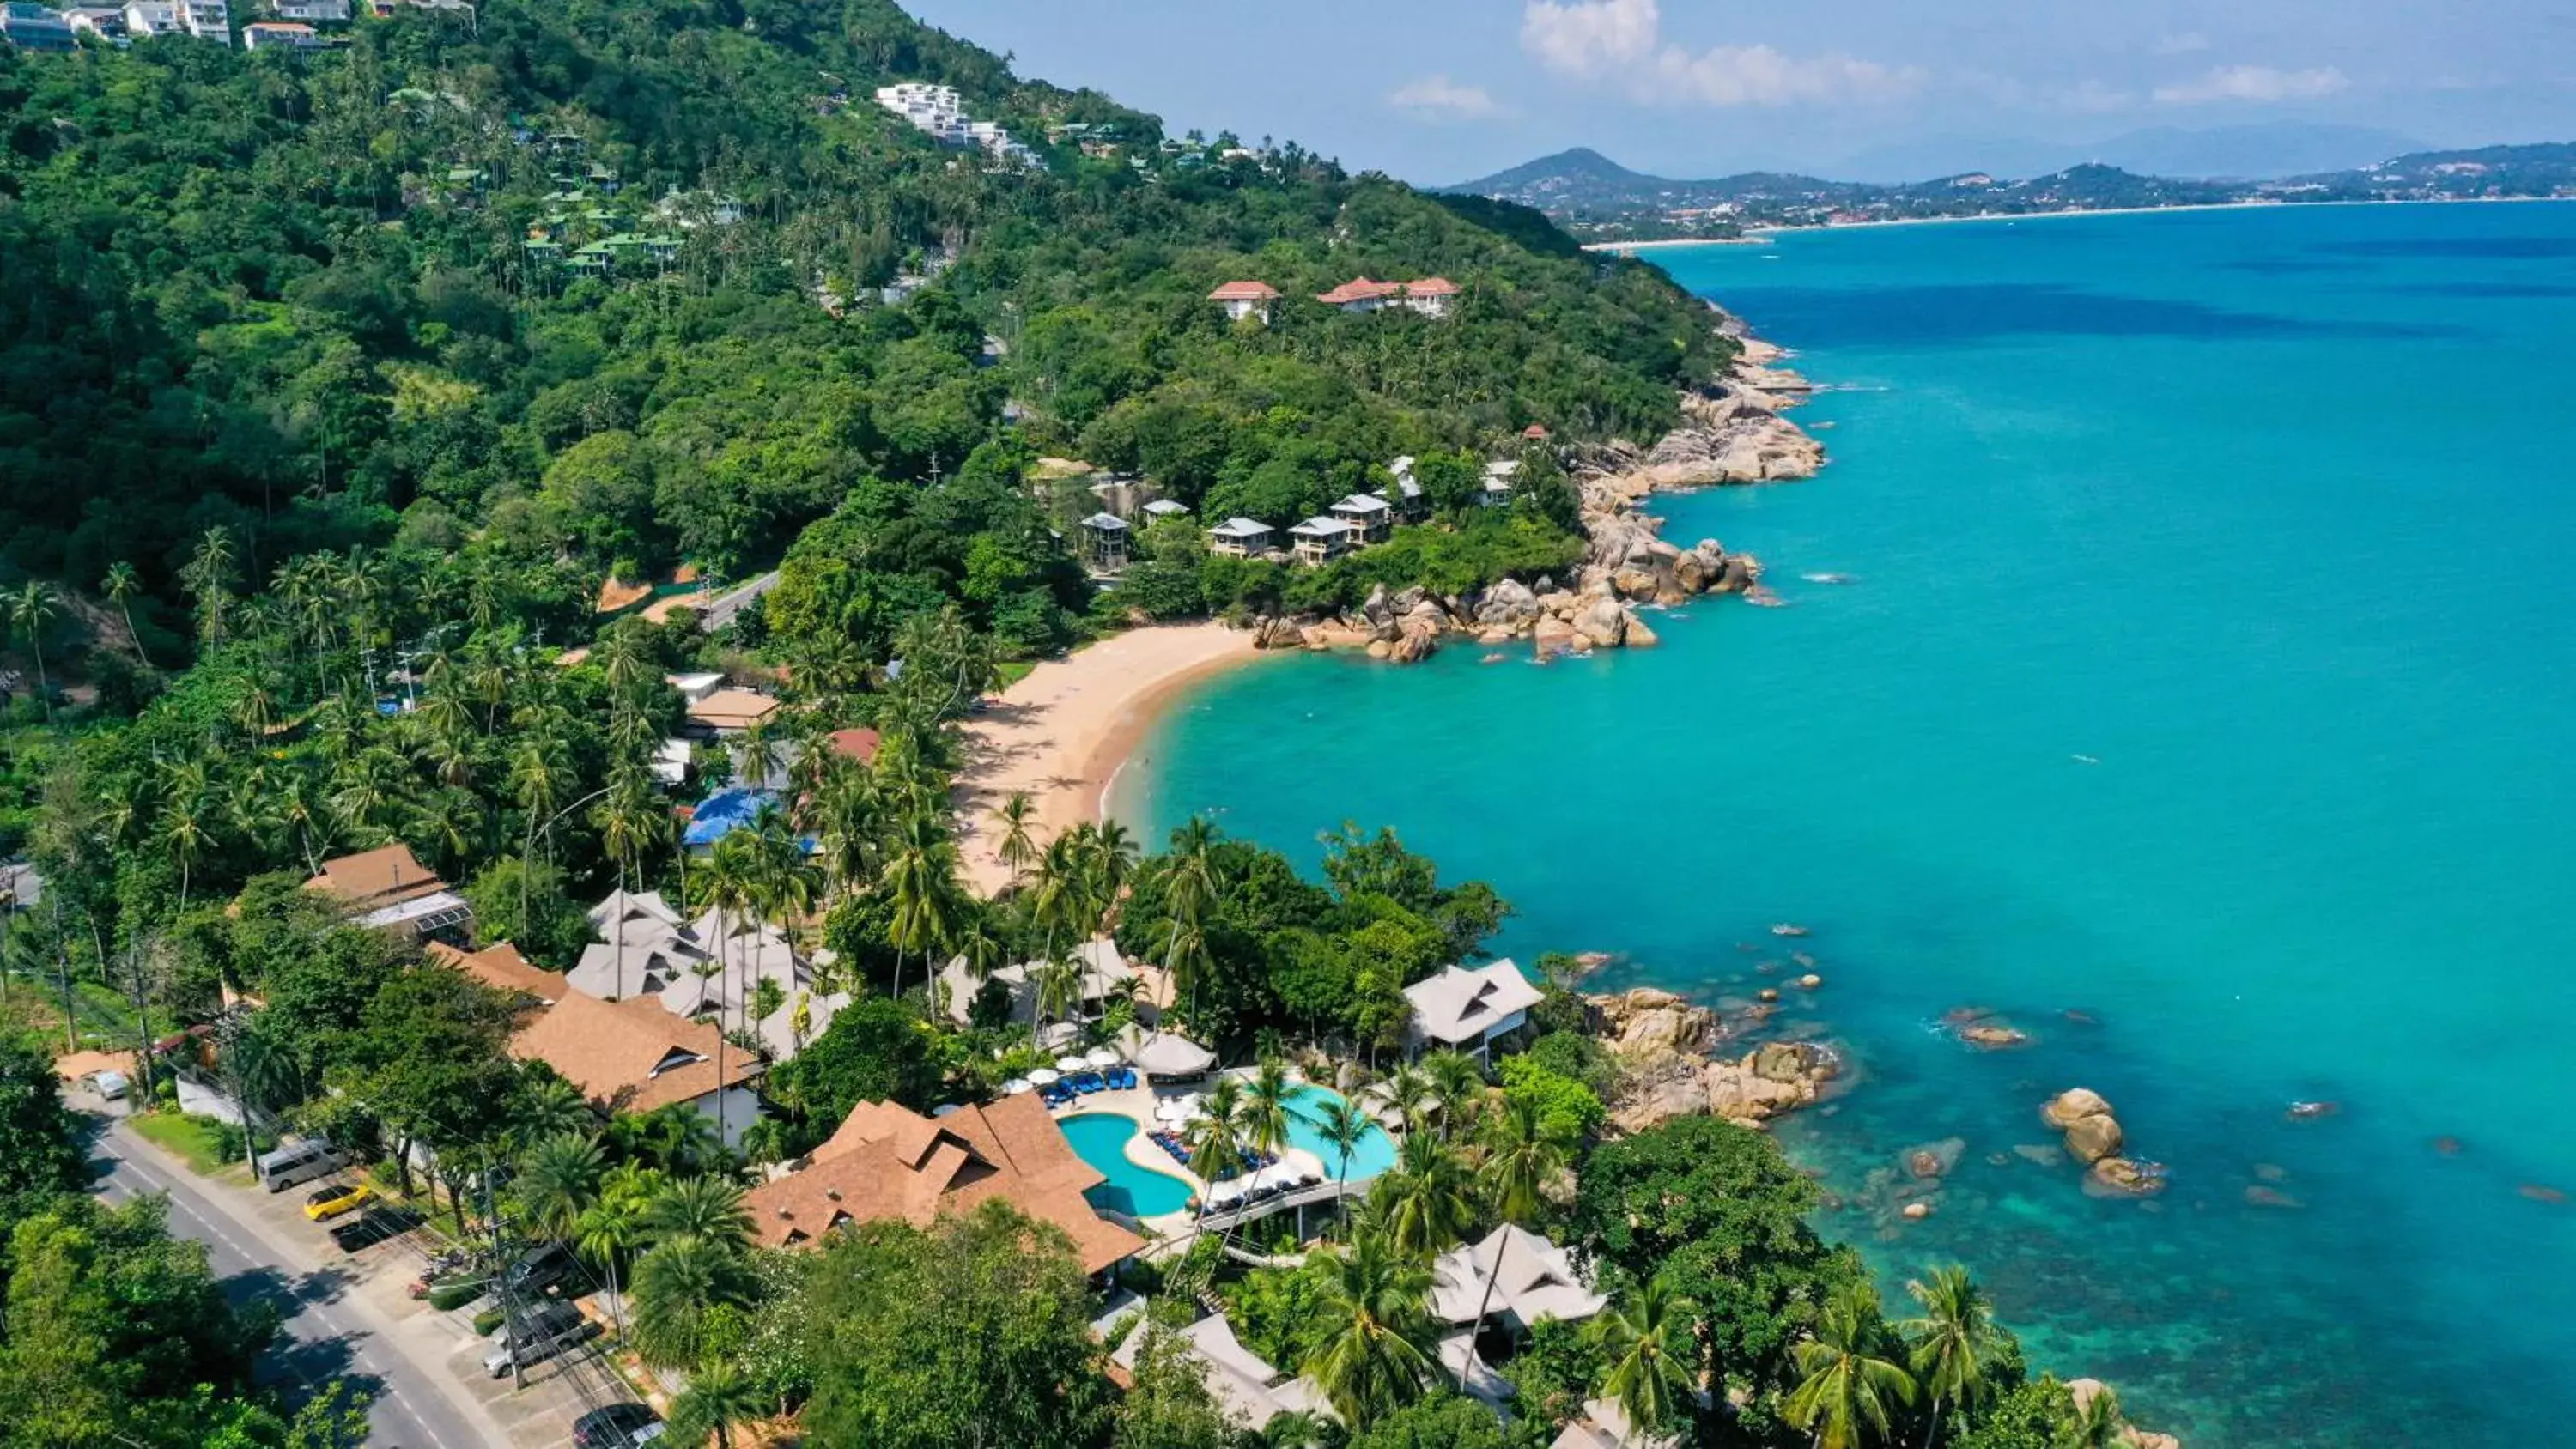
x=1826, y=578
x=1787, y=929
x=1491, y=659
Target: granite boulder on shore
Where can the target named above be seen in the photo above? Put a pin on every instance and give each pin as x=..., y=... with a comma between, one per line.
x=1661, y=1043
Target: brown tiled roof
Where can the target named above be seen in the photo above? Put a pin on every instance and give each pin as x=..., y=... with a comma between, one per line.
x=887, y=1161
x=1244, y=292
x=859, y=744
x=1431, y=287
x=502, y=968
x=1359, y=289
x=374, y=879
x=732, y=709
x=611, y=1050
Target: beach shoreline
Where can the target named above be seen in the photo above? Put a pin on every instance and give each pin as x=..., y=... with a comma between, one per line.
x=1066, y=731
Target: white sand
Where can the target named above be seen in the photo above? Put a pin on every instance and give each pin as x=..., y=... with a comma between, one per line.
x=1061, y=733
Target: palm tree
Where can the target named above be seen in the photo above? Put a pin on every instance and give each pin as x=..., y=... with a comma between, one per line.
x=183, y=822
x=1649, y=1342
x=1409, y=1091
x=1373, y=1356
x=1458, y=1080
x=2098, y=1421
x=552, y=1108
x=1343, y=1127
x=1111, y=851
x=728, y=885
x=30, y=608
x=1058, y=985
x=558, y=1181
x=1055, y=894
x=1521, y=1158
x=538, y=773
x=1425, y=1202
x=1215, y=1137
x=718, y=1397
x=698, y=1209
x=1848, y=1383
x=1265, y=1107
x=1951, y=1341
x=1019, y=849
x=606, y=1231
x=922, y=879
x=208, y=579
x=120, y=586
x=680, y=1288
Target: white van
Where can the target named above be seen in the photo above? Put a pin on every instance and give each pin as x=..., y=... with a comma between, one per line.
x=299, y=1162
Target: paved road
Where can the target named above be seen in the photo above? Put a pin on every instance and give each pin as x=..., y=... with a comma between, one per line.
x=328, y=1332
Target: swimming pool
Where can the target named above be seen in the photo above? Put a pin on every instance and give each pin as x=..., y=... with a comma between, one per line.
x=1374, y=1154
x=1100, y=1138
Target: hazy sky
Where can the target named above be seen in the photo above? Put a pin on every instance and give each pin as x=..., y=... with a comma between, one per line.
x=1441, y=90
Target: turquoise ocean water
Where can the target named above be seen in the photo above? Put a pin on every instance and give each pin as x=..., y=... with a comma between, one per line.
x=2269, y=513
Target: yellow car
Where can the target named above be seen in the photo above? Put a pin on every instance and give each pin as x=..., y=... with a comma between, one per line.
x=330, y=1202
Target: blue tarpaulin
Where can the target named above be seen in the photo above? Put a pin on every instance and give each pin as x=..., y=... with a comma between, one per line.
x=729, y=810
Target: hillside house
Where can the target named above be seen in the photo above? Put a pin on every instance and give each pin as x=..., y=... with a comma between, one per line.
x=1245, y=299
x=1239, y=538
x=1319, y=541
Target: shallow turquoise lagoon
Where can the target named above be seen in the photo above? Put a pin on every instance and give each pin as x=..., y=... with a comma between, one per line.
x=2203, y=697
x=1100, y=1138
x=1374, y=1154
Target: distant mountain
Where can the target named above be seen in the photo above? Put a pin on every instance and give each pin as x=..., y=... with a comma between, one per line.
x=1597, y=199
x=2281, y=148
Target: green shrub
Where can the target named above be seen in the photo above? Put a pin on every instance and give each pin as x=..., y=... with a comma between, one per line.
x=486, y=1321
x=446, y=1296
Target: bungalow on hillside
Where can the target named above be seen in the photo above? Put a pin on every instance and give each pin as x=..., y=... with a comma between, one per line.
x=280, y=35
x=632, y=1056
x=1412, y=505
x=1103, y=976
x=1512, y=1272
x=1430, y=296
x=1162, y=508
x=1465, y=1008
x=709, y=969
x=1319, y=541
x=313, y=12
x=36, y=27
x=502, y=968
x=696, y=686
x=1499, y=478
x=1104, y=542
x=1239, y=538
x=1245, y=299
x=888, y=1162
x=389, y=889
x=1247, y=1390
x=1369, y=517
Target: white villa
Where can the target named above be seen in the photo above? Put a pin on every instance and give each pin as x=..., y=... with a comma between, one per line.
x=1105, y=976
x=1430, y=296
x=1240, y=537
x=1530, y=1279
x=1367, y=515
x=1245, y=299
x=1247, y=1390
x=709, y=969
x=1499, y=476
x=1465, y=1008
x=1320, y=540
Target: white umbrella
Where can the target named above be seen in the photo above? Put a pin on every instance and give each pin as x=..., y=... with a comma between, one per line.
x=1101, y=1057
x=1044, y=1077
x=1068, y=1064
x=1015, y=1086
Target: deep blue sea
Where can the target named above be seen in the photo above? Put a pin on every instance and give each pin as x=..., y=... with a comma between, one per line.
x=2207, y=670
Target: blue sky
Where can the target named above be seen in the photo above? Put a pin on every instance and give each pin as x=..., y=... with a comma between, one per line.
x=1441, y=90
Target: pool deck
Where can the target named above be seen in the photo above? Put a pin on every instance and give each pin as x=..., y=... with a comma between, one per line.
x=1137, y=1104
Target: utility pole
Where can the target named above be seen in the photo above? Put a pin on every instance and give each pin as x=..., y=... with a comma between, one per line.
x=510, y=1315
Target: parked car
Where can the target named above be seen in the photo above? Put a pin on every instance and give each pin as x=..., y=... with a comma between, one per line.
x=619, y=1426
x=375, y=1226
x=330, y=1202
x=540, y=1334
x=299, y=1162
x=538, y=1270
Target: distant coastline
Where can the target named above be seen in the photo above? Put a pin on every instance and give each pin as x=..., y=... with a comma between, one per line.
x=1755, y=235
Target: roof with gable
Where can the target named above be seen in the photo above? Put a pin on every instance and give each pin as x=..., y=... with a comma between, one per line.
x=1463, y=1005
x=1359, y=289
x=1240, y=527
x=732, y=709
x=1531, y=1279
x=502, y=968
x=1244, y=292
x=374, y=879
x=1432, y=287
x=886, y=1161
x=631, y=1055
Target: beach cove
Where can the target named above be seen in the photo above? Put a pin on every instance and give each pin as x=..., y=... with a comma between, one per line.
x=2197, y=701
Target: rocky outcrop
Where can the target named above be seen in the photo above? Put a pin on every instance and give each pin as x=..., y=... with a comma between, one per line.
x=2084, y=1391
x=1273, y=633
x=1643, y=1025
x=2092, y=1133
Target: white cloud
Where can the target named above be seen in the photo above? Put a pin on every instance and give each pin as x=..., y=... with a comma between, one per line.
x=1438, y=98
x=2253, y=83
x=2092, y=98
x=1621, y=42
x=2190, y=42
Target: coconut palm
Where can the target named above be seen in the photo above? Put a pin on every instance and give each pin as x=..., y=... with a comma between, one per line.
x=1373, y=1355
x=2098, y=1421
x=718, y=1397
x=30, y=609
x=1951, y=1343
x=922, y=881
x=208, y=580
x=1109, y=851
x=1055, y=890
x=183, y=822
x=1521, y=1158
x=1648, y=1341
x=539, y=772
x=558, y=1181
x=551, y=1108
x=700, y=1209
x=728, y=884
x=1265, y=1107
x=1849, y=1384
x=846, y=825
x=1343, y=1127
x=1019, y=848
x=680, y=1288
x=1426, y=1201
x=1058, y=987
x=1215, y=1137
x=121, y=585
x=1409, y=1092
x=1458, y=1081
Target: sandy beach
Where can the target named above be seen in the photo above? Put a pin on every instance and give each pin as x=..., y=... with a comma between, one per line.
x=1062, y=733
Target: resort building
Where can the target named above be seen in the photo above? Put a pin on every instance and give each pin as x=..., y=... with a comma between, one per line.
x=1162, y=508
x=1431, y=296
x=889, y=1163
x=312, y=12
x=695, y=687
x=1239, y=538
x=1411, y=503
x=1319, y=541
x=1467, y=1008
x=1104, y=542
x=1247, y=1390
x=1514, y=1273
x=389, y=889
x=1245, y=299
x=107, y=22
x=1104, y=975
x=207, y=20
x=36, y=27
x=710, y=969
x=1499, y=478
x=1368, y=516
x=643, y=946
x=145, y=19
x=502, y=968
x=280, y=35
x=730, y=711
x=632, y=1056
